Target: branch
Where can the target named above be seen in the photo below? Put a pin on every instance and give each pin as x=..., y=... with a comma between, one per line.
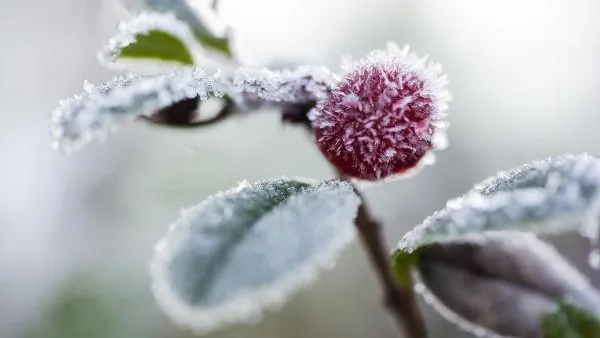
x=400, y=302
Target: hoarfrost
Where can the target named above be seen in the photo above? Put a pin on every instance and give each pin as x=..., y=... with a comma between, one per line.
x=248, y=249
x=100, y=109
x=103, y=108
x=301, y=85
x=553, y=195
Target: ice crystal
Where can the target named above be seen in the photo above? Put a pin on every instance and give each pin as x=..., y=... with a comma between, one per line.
x=553, y=195
x=248, y=249
x=101, y=109
x=385, y=115
x=300, y=85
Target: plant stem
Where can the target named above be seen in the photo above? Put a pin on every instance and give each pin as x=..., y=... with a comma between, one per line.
x=400, y=301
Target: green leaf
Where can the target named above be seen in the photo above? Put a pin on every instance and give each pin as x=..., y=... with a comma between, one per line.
x=248, y=249
x=158, y=45
x=150, y=37
x=570, y=321
x=402, y=265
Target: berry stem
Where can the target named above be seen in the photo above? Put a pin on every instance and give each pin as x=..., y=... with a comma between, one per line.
x=399, y=301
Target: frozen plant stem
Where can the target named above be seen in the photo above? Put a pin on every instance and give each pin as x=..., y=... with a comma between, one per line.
x=400, y=301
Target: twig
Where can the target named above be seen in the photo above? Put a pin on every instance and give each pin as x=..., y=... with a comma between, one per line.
x=214, y=4
x=400, y=302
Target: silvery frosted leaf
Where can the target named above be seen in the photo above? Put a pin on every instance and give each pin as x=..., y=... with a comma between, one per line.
x=249, y=248
x=150, y=37
x=101, y=109
x=501, y=285
x=553, y=195
x=203, y=21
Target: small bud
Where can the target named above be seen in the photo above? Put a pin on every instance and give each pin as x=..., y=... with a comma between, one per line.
x=384, y=116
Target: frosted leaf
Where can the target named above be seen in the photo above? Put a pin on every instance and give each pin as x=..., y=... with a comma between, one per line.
x=514, y=280
x=202, y=19
x=554, y=195
x=102, y=109
x=150, y=37
x=248, y=249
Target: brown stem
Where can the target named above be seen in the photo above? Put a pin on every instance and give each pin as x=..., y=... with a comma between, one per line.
x=400, y=301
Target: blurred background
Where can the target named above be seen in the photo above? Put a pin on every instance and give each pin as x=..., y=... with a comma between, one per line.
x=76, y=232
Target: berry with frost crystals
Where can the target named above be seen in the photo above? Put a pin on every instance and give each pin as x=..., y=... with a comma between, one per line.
x=384, y=116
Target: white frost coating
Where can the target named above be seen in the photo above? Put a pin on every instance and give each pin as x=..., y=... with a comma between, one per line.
x=273, y=257
x=102, y=109
x=303, y=84
x=143, y=24
x=553, y=195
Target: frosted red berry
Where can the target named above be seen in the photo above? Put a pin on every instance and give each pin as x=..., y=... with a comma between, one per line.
x=385, y=115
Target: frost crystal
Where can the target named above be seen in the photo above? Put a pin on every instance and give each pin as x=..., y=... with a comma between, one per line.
x=301, y=85
x=90, y=115
x=385, y=115
x=248, y=249
x=142, y=25
x=101, y=109
x=553, y=195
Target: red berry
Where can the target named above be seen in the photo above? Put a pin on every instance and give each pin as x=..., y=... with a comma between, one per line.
x=384, y=115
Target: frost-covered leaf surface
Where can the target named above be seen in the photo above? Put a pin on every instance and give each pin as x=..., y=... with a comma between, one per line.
x=248, y=249
x=102, y=109
x=570, y=321
x=202, y=20
x=553, y=195
x=150, y=37
x=514, y=281
x=549, y=196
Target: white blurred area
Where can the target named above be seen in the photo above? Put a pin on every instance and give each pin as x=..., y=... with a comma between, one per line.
x=524, y=77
